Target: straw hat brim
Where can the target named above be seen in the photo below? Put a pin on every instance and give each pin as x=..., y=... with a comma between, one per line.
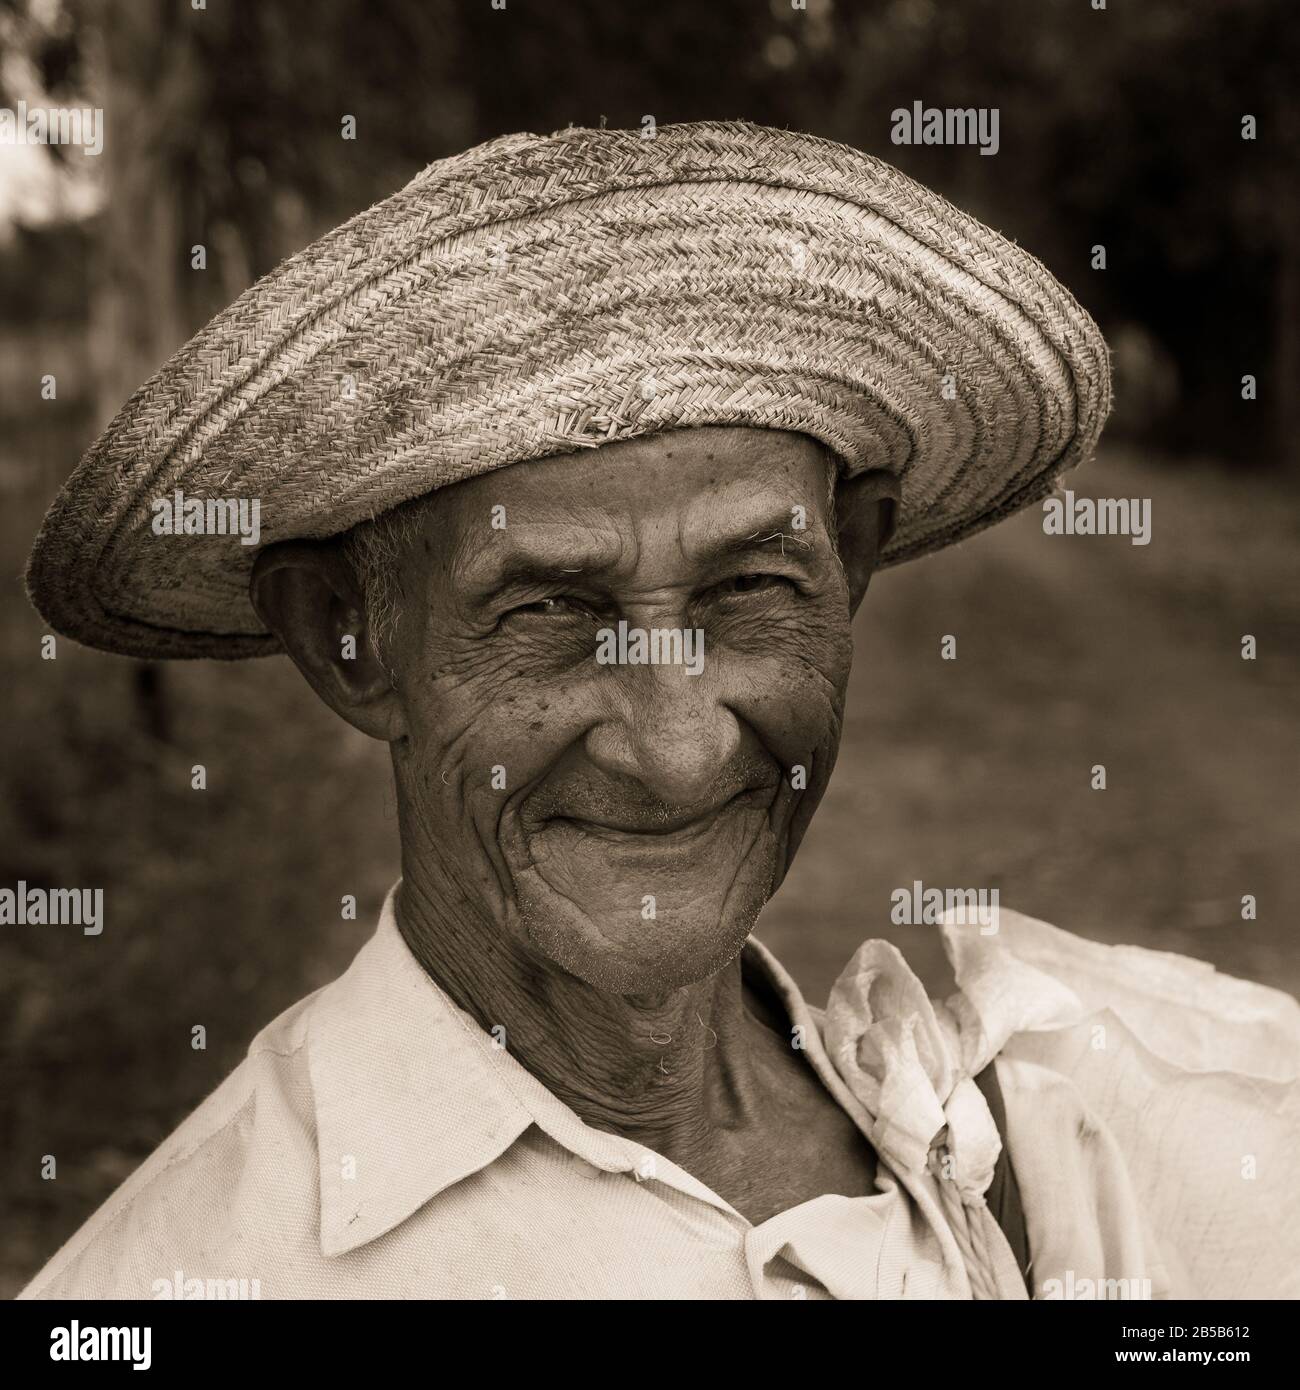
x=542, y=294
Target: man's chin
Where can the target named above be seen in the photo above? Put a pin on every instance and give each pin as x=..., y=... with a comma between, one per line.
x=645, y=913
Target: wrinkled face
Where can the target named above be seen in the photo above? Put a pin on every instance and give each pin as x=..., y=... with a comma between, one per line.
x=622, y=675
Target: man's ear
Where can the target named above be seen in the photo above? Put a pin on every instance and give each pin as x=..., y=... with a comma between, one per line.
x=305, y=592
x=866, y=511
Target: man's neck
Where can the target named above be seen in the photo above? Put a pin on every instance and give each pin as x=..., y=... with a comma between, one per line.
x=674, y=1072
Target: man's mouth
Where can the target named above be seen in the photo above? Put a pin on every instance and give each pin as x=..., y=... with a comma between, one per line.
x=682, y=822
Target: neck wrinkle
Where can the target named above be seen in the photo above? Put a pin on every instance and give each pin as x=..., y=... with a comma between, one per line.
x=670, y=1072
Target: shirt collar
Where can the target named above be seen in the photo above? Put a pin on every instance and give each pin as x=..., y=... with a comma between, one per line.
x=407, y=1101
x=411, y=1095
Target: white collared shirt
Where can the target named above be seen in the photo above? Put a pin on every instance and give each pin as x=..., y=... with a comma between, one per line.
x=377, y=1143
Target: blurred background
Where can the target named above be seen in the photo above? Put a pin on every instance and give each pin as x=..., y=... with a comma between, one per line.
x=1120, y=127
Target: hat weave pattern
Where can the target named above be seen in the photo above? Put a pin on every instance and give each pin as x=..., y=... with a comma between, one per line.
x=538, y=295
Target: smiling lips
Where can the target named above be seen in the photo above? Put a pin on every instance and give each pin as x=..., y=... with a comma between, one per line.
x=667, y=820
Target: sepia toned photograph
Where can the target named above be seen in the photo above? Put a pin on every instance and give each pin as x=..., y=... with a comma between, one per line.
x=652, y=652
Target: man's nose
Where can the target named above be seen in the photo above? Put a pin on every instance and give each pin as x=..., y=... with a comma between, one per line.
x=669, y=731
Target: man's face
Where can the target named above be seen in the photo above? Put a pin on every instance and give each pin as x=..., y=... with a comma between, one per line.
x=626, y=819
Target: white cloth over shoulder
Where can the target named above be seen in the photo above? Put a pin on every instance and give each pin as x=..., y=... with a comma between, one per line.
x=1153, y=1111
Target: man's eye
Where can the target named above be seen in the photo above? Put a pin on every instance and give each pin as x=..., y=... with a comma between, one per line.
x=753, y=583
x=554, y=606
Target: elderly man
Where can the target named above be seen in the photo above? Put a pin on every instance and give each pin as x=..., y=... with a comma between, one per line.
x=573, y=461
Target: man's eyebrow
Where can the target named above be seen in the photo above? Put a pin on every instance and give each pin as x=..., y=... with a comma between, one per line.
x=776, y=533
x=771, y=539
x=518, y=560
x=524, y=569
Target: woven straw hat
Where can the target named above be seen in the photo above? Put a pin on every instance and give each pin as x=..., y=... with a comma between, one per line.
x=536, y=295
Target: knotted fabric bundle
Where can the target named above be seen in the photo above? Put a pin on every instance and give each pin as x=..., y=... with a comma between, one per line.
x=911, y=1063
